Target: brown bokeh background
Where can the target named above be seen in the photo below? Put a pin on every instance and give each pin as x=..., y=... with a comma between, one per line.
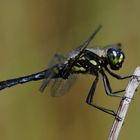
x=31, y=32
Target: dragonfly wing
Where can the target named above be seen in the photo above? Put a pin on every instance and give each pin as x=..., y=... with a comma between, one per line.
x=74, y=53
x=61, y=86
x=102, y=51
x=79, y=50
x=47, y=80
x=57, y=59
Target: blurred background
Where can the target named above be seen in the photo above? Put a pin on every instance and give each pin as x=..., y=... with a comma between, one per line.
x=31, y=32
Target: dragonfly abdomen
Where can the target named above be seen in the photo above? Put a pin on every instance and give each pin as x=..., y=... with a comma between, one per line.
x=21, y=80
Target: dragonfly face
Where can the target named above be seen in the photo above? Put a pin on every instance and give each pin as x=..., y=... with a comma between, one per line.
x=115, y=58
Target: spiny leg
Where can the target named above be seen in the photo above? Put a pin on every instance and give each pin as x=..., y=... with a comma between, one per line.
x=89, y=99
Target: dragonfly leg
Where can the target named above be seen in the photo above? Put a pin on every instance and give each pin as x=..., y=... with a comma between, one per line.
x=89, y=99
x=119, y=77
x=108, y=89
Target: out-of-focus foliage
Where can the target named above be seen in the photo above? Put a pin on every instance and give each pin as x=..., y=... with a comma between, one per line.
x=31, y=32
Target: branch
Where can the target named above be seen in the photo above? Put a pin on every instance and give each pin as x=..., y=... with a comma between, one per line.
x=124, y=104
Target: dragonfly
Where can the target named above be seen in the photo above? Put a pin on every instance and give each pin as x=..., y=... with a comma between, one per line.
x=62, y=70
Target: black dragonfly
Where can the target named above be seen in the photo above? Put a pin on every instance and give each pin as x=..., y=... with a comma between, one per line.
x=81, y=60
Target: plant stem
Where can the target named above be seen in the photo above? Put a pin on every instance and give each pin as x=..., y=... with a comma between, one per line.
x=124, y=104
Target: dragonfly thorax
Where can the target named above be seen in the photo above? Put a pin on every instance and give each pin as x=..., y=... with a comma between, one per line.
x=89, y=62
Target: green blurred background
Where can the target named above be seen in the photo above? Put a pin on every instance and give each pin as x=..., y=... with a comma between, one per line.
x=31, y=32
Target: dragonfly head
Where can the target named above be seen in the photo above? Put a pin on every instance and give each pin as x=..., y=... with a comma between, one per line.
x=115, y=57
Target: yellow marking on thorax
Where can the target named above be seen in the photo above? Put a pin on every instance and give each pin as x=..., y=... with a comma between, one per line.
x=99, y=66
x=93, y=62
x=82, y=58
x=76, y=68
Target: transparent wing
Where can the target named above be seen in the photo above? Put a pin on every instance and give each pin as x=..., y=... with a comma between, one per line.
x=59, y=85
x=47, y=80
x=102, y=51
x=78, y=51
x=74, y=53
x=57, y=59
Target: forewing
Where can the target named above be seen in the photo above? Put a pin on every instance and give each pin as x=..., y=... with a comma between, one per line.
x=79, y=50
x=74, y=53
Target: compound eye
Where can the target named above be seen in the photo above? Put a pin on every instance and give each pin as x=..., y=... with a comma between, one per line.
x=115, y=58
x=121, y=58
x=114, y=54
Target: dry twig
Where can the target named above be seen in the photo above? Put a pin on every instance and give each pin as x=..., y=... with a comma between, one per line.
x=124, y=104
